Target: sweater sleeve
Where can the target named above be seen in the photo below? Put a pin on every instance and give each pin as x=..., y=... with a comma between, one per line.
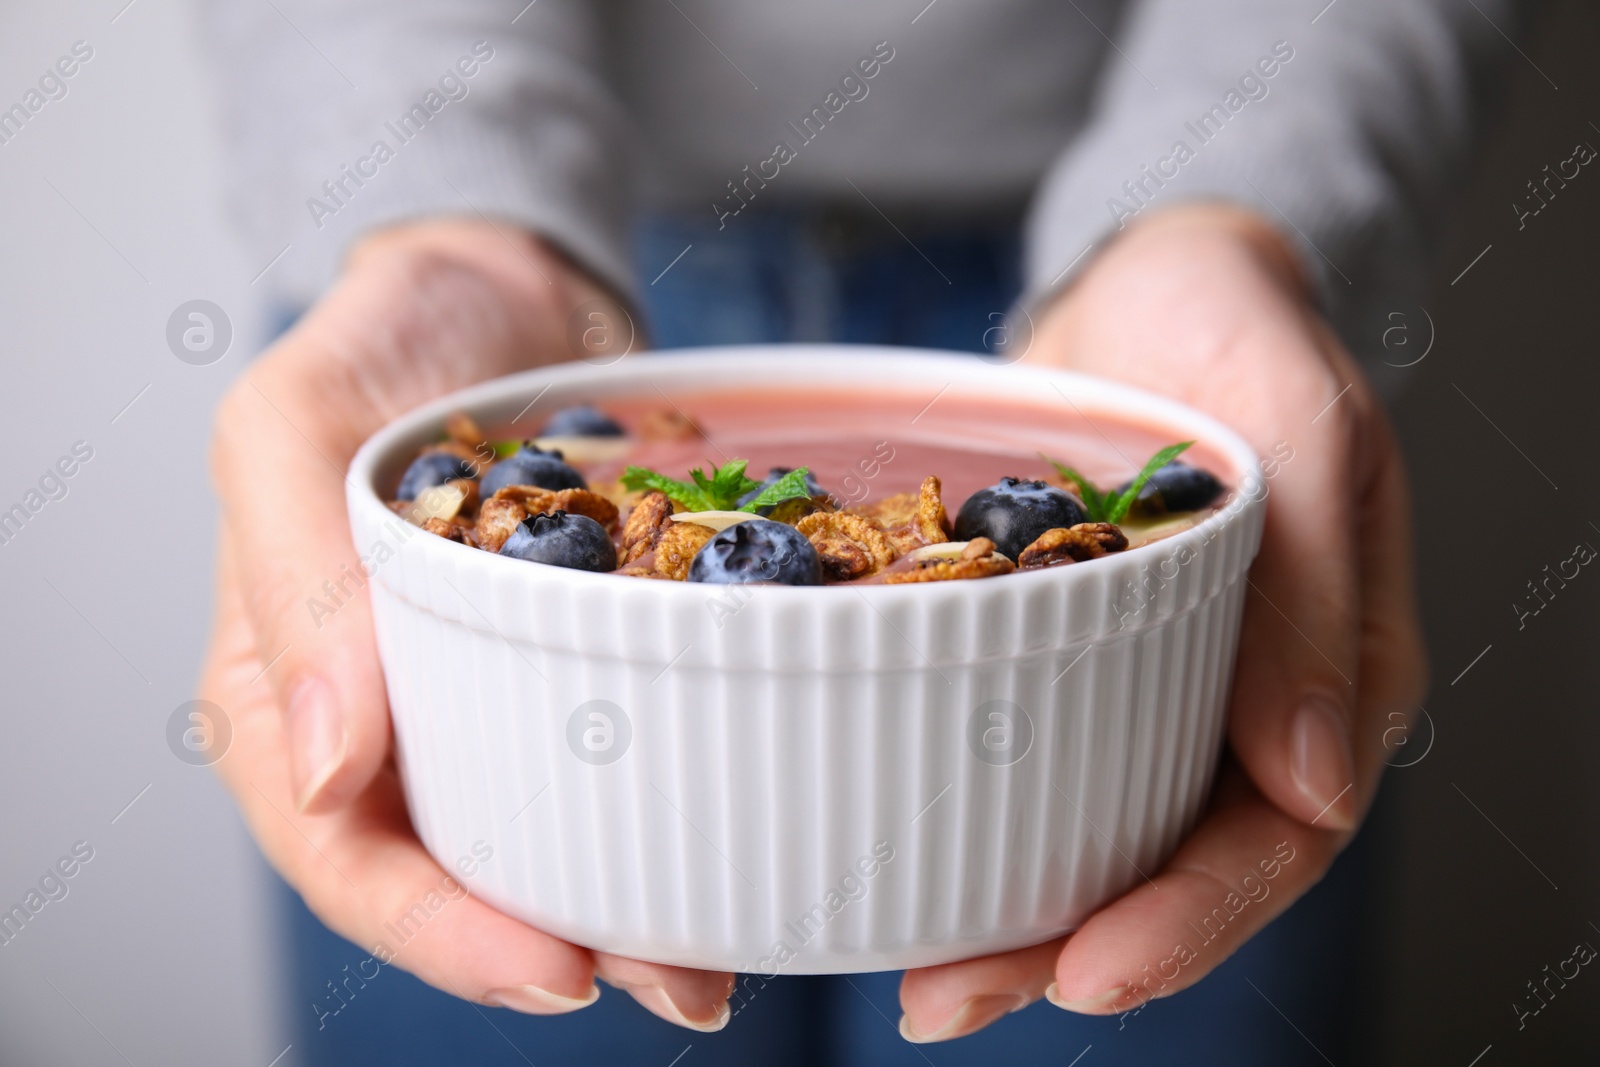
x=1341, y=124
x=345, y=115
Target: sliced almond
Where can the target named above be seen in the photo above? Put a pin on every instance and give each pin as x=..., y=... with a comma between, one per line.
x=587, y=449
x=438, y=502
x=717, y=520
x=1142, y=533
x=942, y=550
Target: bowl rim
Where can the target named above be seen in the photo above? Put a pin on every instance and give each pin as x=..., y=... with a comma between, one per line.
x=755, y=366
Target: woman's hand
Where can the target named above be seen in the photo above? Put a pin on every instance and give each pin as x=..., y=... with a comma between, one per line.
x=1204, y=303
x=421, y=310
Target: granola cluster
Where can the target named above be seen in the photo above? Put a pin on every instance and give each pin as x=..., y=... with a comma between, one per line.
x=654, y=545
x=524, y=499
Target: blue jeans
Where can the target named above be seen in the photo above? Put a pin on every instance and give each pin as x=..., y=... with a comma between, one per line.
x=819, y=276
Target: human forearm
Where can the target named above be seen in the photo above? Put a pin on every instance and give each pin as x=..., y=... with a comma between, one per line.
x=1342, y=132
x=348, y=115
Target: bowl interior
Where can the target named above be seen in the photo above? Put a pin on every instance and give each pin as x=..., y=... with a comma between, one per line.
x=841, y=410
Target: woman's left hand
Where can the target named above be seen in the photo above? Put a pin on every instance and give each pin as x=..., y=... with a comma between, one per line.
x=1205, y=303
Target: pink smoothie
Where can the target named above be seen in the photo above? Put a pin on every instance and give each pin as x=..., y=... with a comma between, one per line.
x=863, y=448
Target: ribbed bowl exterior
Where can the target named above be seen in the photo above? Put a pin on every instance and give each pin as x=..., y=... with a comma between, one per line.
x=799, y=780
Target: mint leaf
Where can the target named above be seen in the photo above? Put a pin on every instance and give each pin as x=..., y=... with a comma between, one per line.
x=1117, y=505
x=502, y=449
x=788, y=487
x=719, y=492
x=1113, y=507
x=1094, y=502
x=726, y=485
x=701, y=482
x=692, y=497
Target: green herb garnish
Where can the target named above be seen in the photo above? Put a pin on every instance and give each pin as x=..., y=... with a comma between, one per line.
x=502, y=449
x=788, y=487
x=722, y=490
x=1113, y=507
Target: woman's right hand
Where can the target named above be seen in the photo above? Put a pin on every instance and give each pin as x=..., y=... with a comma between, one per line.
x=421, y=310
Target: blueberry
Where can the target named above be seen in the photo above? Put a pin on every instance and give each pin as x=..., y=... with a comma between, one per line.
x=812, y=488
x=581, y=420
x=531, y=465
x=1175, y=487
x=757, y=551
x=429, y=470
x=1013, y=514
x=562, y=540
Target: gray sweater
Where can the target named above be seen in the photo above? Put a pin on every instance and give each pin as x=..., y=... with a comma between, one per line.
x=1340, y=123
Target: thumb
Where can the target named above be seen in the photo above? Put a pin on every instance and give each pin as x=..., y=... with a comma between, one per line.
x=278, y=460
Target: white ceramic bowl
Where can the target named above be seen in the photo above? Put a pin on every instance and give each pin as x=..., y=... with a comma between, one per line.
x=826, y=780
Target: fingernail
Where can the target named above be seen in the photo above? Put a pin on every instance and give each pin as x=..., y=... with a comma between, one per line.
x=531, y=1000
x=655, y=998
x=317, y=739
x=971, y=1017
x=1321, y=763
x=1096, y=1005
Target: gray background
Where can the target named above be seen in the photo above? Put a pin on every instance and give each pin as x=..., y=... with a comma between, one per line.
x=161, y=952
